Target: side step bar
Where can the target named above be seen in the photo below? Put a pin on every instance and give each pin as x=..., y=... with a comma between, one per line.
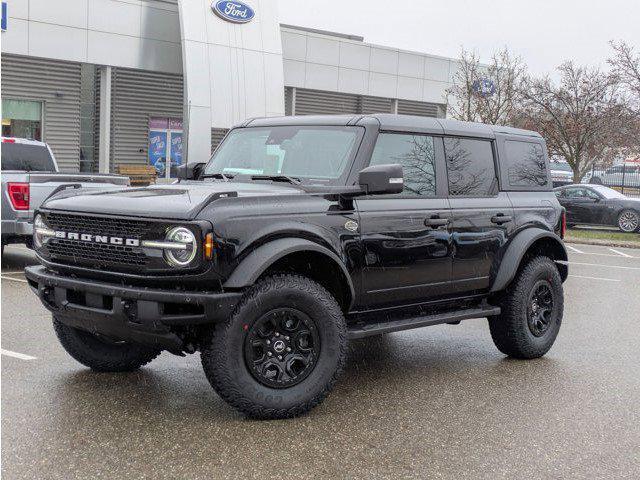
x=361, y=331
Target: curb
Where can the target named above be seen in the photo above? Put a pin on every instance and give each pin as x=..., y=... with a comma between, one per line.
x=602, y=243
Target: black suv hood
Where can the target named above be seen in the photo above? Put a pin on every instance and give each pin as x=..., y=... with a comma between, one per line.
x=180, y=201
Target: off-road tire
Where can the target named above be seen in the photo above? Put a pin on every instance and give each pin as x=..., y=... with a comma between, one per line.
x=510, y=330
x=102, y=355
x=223, y=358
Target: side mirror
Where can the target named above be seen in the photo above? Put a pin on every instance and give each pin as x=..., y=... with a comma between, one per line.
x=191, y=171
x=381, y=179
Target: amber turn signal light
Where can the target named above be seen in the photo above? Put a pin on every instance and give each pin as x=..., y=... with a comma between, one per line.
x=208, y=246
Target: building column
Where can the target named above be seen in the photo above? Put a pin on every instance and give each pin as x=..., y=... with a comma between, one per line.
x=105, y=119
x=394, y=106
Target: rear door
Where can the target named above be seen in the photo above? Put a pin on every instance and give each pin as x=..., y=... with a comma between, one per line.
x=406, y=237
x=482, y=216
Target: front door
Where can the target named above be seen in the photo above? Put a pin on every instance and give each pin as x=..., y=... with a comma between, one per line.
x=406, y=237
x=482, y=217
x=581, y=204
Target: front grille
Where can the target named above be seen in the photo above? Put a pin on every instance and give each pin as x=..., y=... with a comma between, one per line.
x=115, y=227
x=103, y=256
x=97, y=253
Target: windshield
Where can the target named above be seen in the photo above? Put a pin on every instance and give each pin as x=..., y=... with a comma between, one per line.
x=17, y=156
x=561, y=166
x=312, y=154
x=607, y=192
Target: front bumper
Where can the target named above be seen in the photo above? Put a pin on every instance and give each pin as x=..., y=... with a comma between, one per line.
x=136, y=314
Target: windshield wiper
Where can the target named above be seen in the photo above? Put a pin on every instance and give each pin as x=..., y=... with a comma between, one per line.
x=220, y=175
x=277, y=178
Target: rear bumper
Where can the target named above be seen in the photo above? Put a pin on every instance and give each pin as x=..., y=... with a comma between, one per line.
x=141, y=315
x=20, y=227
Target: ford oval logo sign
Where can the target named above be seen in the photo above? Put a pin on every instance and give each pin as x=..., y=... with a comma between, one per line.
x=484, y=87
x=236, y=12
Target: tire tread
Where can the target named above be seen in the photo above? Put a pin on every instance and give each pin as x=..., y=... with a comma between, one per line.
x=103, y=359
x=222, y=380
x=508, y=331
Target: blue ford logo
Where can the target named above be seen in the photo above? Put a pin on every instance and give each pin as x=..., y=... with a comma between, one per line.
x=484, y=87
x=236, y=12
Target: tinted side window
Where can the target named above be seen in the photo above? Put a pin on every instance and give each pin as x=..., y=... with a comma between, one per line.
x=574, y=193
x=416, y=155
x=527, y=166
x=578, y=192
x=470, y=167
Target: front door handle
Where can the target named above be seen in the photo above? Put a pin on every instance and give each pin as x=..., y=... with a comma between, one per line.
x=436, y=222
x=501, y=218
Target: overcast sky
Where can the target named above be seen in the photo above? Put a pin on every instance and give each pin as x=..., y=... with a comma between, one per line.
x=543, y=32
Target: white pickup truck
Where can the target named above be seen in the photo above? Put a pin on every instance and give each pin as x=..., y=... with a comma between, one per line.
x=30, y=175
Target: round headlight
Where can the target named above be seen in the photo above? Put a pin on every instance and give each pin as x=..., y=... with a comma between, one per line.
x=185, y=247
x=40, y=231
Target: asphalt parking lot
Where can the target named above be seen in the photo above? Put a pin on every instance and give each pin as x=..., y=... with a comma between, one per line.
x=440, y=402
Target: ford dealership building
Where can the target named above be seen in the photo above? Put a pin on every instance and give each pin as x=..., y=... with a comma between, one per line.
x=112, y=82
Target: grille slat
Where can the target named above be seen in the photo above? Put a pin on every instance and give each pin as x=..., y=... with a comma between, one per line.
x=115, y=227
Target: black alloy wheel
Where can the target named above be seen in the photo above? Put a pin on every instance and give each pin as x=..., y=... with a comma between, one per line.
x=282, y=347
x=540, y=308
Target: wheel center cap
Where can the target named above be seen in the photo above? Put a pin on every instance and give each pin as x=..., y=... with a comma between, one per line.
x=279, y=346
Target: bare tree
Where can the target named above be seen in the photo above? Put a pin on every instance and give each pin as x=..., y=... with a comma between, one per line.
x=626, y=65
x=584, y=117
x=419, y=166
x=486, y=93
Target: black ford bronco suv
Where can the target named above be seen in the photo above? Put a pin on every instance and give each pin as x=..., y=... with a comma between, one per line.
x=299, y=234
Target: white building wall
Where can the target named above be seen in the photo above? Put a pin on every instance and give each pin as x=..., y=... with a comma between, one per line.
x=136, y=34
x=326, y=62
x=232, y=71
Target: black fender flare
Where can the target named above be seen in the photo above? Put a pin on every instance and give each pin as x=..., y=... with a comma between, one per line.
x=257, y=262
x=516, y=250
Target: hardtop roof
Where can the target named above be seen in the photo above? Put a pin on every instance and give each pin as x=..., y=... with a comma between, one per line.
x=393, y=122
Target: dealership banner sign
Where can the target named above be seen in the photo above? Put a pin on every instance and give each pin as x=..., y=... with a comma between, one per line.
x=4, y=16
x=233, y=11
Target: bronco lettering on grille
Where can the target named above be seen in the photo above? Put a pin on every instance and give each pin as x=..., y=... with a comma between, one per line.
x=85, y=237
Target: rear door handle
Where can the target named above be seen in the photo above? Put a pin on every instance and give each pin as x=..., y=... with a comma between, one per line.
x=436, y=221
x=501, y=218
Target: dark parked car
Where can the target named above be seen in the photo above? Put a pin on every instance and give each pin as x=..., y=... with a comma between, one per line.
x=303, y=232
x=599, y=205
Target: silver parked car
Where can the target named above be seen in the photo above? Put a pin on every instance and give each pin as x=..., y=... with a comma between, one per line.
x=561, y=173
x=30, y=175
x=623, y=175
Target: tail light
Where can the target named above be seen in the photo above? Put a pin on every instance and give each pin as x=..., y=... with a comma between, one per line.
x=563, y=223
x=19, y=195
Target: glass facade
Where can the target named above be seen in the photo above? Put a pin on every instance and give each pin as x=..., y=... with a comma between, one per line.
x=22, y=118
